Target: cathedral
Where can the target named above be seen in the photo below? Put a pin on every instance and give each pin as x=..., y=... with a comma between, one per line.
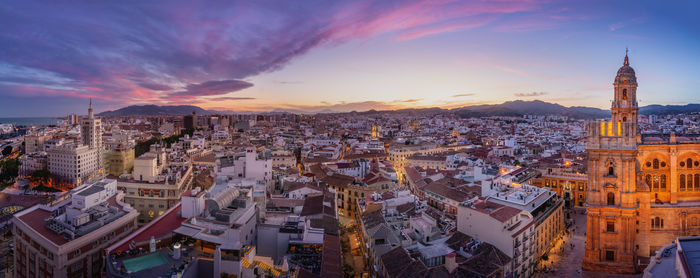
x=643, y=189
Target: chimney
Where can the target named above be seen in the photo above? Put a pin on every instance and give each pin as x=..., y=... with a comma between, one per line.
x=451, y=262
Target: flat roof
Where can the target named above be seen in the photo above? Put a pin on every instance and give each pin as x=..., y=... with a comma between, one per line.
x=91, y=190
x=35, y=220
x=690, y=248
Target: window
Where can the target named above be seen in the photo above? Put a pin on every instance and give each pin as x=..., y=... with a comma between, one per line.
x=624, y=94
x=656, y=163
x=696, y=185
x=610, y=227
x=656, y=183
x=662, y=182
x=611, y=169
x=689, y=163
x=657, y=223
x=609, y=255
x=647, y=179
x=681, y=182
x=611, y=199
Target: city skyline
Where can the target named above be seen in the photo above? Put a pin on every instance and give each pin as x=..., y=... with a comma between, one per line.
x=341, y=56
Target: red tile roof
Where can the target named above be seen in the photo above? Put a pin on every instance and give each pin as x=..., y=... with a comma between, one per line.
x=157, y=228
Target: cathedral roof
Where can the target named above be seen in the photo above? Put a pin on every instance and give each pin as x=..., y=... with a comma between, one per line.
x=626, y=73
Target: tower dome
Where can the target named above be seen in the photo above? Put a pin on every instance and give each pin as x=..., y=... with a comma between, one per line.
x=626, y=73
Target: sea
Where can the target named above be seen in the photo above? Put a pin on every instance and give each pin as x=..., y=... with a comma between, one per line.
x=32, y=121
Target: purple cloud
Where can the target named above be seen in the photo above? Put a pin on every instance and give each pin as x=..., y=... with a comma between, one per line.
x=212, y=88
x=148, y=52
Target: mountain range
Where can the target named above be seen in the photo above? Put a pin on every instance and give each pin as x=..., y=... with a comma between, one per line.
x=514, y=108
x=157, y=110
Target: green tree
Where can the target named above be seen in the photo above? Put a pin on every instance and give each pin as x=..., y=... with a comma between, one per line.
x=10, y=170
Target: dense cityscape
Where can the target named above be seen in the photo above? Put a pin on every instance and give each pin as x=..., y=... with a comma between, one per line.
x=349, y=139
x=418, y=193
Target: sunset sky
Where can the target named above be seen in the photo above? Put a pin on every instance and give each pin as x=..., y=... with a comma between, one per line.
x=340, y=55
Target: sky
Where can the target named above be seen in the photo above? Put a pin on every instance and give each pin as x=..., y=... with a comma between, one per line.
x=340, y=55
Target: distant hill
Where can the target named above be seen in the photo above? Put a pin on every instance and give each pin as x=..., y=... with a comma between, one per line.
x=656, y=109
x=155, y=110
x=516, y=108
x=519, y=108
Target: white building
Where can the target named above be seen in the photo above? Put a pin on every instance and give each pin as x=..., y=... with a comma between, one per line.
x=78, y=163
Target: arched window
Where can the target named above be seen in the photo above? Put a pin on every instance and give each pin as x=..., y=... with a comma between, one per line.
x=657, y=223
x=656, y=183
x=611, y=199
x=624, y=94
x=611, y=169
x=624, y=119
x=662, y=182
x=656, y=163
x=689, y=163
x=696, y=185
x=681, y=182
x=647, y=179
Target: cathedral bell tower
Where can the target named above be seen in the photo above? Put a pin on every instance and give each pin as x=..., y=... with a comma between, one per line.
x=611, y=203
x=624, y=106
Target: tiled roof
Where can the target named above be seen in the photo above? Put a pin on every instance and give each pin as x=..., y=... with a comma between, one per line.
x=157, y=228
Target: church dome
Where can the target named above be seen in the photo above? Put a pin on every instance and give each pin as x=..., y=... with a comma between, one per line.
x=626, y=73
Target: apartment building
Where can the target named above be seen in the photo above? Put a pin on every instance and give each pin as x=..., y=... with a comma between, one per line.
x=65, y=237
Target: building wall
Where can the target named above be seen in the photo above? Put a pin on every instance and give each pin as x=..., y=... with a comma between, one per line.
x=572, y=186
x=75, y=164
x=35, y=255
x=119, y=162
x=34, y=143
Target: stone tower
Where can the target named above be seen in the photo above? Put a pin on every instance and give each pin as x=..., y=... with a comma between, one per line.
x=611, y=202
x=624, y=106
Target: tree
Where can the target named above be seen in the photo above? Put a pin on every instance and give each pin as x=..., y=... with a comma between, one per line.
x=41, y=178
x=10, y=170
x=7, y=150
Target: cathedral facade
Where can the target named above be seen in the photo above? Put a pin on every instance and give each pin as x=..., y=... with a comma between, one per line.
x=643, y=189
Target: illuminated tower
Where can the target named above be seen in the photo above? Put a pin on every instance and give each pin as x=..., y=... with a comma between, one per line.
x=611, y=202
x=624, y=106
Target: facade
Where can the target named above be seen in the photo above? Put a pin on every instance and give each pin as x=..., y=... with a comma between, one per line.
x=190, y=121
x=76, y=163
x=568, y=185
x=155, y=184
x=91, y=133
x=66, y=238
x=119, y=161
x=35, y=142
x=642, y=190
x=509, y=229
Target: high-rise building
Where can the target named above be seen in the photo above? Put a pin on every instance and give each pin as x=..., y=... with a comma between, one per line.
x=190, y=121
x=76, y=164
x=642, y=188
x=91, y=132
